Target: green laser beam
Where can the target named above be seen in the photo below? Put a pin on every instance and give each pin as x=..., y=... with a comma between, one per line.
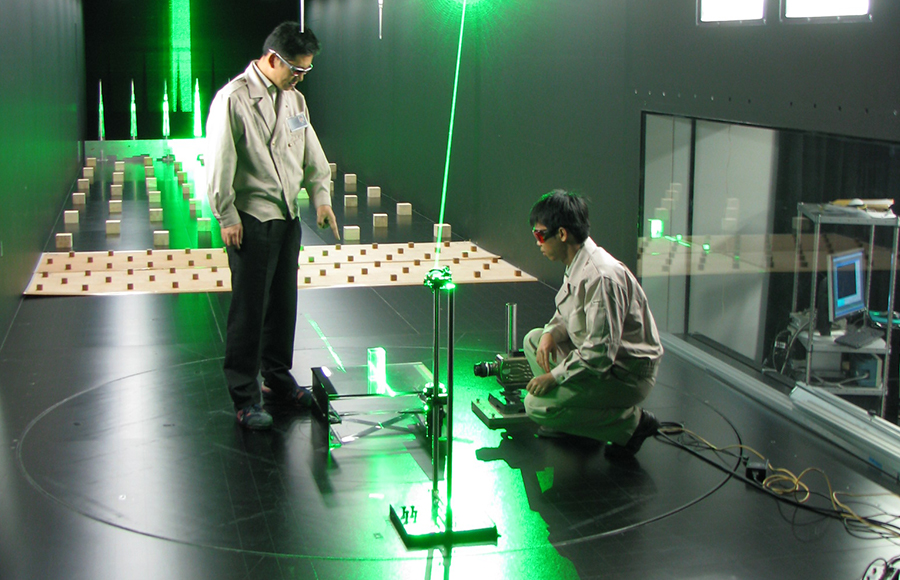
x=334, y=355
x=462, y=27
x=180, y=57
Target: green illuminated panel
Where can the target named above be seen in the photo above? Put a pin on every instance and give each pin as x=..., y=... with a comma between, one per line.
x=166, y=129
x=133, y=113
x=198, y=125
x=180, y=33
x=101, y=130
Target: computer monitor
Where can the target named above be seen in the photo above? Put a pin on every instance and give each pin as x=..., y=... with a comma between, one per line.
x=846, y=284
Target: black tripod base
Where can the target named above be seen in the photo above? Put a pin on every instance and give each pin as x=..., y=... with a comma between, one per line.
x=428, y=532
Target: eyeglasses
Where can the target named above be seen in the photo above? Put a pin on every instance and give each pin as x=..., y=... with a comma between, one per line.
x=295, y=70
x=542, y=235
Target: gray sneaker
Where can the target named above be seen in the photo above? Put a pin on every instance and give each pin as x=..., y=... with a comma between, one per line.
x=254, y=417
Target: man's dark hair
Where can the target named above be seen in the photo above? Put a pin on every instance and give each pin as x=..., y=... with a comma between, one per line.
x=289, y=42
x=562, y=209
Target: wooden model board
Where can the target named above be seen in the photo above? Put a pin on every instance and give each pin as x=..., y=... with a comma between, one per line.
x=206, y=270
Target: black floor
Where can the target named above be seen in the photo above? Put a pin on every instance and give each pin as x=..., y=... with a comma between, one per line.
x=123, y=459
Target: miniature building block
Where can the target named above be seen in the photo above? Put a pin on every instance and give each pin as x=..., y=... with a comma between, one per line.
x=333, y=167
x=63, y=241
x=350, y=180
x=84, y=185
x=161, y=238
x=113, y=227
x=404, y=209
x=151, y=183
x=115, y=206
x=118, y=177
x=350, y=201
x=380, y=220
x=331, y=187
x=154, y=196
x=70, y=216
x=88, y=173
x=351, y=232
x=90, y=162
x=115, y=191
x=119, y=166
x=78, y=198
x=186, y=190
x=148, y=161
x=182, y=177
x=443, y=229
x=203, y=224
x=156, y=214
x=178, y=166
x=149, y=172
x=193, y=208
x=373, y=191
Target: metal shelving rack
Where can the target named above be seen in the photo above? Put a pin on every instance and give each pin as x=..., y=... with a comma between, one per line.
x=820, y=215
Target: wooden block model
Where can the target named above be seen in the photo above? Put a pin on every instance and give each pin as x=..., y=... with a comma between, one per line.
x=78, y=198
x=186, y=191
x=84, y=184
x=193, y=208
x=380, y=220
x=90, y=162
x=118, y=177
x=149, y=172
x=115, y=206
x=115, y=191
x=63, y=241
x=350, y=201
x=161, y=238
x=88, y=173
x=113, y=227
x=70, y=216
x=373, y=191
x=350, y=179
x=151, y=183
x=404, y=209
x=156, y=214
x=148, y=161
x=182, y=177
x=119, y=166
x=154, y=196
x=351, y=232
x=333, y=167
x=444, y=230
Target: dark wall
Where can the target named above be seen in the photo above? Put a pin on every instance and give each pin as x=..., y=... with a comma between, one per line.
x=540, y=102
x=552, y=94
x=42, y=112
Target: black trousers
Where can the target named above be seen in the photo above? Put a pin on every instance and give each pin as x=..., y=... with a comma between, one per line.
x=263, y=312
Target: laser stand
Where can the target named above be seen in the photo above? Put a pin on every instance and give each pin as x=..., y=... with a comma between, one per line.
x=437, y=529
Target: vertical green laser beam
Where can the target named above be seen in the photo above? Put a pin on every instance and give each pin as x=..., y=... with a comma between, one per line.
x=462, y=27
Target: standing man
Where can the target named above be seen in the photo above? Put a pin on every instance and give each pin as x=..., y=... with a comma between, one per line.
x=262, y=149
x=597, y=358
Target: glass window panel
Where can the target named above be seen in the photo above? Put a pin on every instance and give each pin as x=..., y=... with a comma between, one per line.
x=731, y=10
x=825, y=8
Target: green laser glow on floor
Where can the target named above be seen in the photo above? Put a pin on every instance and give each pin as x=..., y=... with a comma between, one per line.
x=462, y=27
x=334, y=355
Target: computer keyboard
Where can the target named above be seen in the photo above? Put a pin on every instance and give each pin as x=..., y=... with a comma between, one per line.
x=859, y=337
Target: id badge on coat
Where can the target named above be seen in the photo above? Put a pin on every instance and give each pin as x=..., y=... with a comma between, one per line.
x=297, y=122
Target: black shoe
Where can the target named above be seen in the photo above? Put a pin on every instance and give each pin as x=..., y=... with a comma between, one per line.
x=255, y=418
x=298, y=397
x=647, y=427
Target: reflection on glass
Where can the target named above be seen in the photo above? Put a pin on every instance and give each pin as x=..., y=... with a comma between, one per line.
x=720, y=223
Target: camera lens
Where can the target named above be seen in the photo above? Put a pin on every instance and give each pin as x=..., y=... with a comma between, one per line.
x=485, y=369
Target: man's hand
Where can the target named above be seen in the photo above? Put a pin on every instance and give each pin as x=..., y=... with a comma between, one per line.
x=233, y=235
x=542, y=385
x=325, y=218
x=546, y=352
